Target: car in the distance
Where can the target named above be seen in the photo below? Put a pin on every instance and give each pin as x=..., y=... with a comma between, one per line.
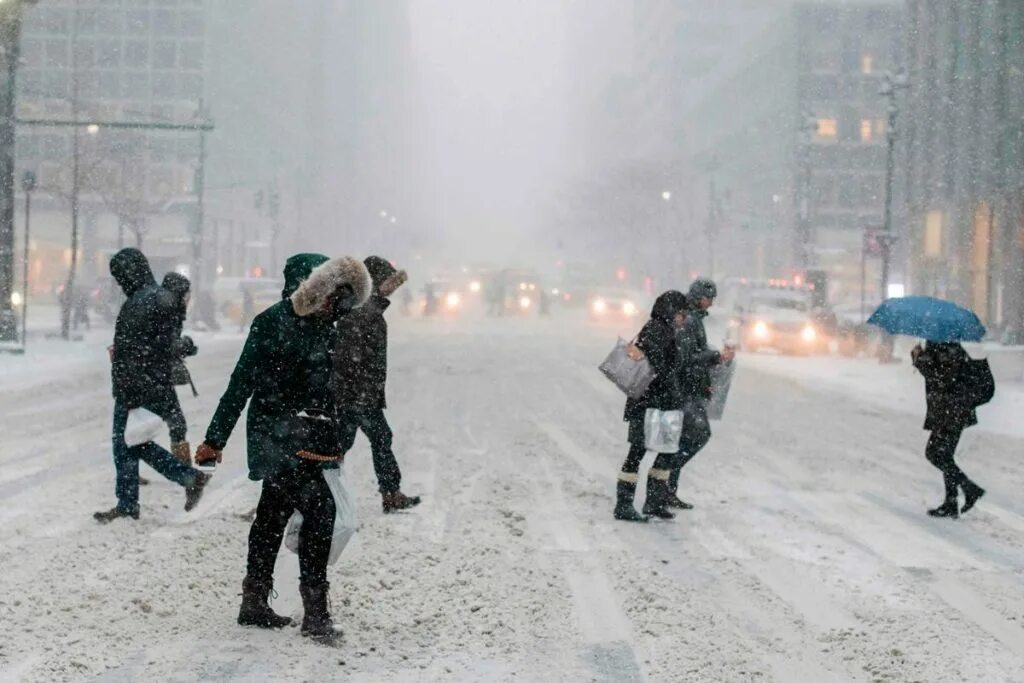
x=783, y=319
x=615, y=305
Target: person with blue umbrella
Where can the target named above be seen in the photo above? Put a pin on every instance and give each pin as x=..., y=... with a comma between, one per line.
x=950, y=387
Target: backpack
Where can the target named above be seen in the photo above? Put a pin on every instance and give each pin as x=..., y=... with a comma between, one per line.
x=979, y=384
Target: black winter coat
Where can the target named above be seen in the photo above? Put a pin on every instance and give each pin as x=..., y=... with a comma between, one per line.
x=145, y=334
x=360, y=371
x=657, y=341
x=949, y=407
x=695, y=358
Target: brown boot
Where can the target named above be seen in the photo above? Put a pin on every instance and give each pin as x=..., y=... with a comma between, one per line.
x=182, y=451
x=398, y=501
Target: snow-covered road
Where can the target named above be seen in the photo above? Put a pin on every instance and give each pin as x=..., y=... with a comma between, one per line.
x=808, y=558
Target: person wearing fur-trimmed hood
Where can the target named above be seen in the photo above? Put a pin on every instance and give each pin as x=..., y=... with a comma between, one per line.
x=284, y=374
x=359, y=380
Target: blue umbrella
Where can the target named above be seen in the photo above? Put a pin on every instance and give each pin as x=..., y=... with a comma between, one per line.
x=928, y=318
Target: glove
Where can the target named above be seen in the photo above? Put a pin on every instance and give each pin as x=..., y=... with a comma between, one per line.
x=188, y=347
x=182, y=451
x=207, y=453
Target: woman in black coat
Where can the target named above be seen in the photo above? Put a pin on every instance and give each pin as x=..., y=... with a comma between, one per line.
x=657, y=341
x=950, y=412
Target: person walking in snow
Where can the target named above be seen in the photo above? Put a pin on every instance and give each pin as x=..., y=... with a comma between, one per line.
x=360, y=377
x=657, y=342
x=950, y=412
x=145, y=348
x=284, y=374
x=695, y=362
x=180, y=287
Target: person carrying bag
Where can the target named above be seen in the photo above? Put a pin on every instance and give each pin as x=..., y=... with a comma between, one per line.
x=291, y=428
x=656, y=342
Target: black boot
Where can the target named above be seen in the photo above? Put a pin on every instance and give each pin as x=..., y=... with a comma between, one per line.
x=392, y=502
x=656, y=504
x=624, y=510
x=113, y=513
x=972, y=493
x=255, y=610
x=947, y=509
x=194, y=492
x=676, y=502
x=316, y=622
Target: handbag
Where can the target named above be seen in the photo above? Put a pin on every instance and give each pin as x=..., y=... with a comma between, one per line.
x=662, y=430
x=628, y=369
x=345, y=518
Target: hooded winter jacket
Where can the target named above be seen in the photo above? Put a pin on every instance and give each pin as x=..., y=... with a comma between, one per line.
x=145, y=336
x=179, y=287
x=285, y=365
x=695, y=358
x=949, y=407
x=361, y=348
x=657, y=341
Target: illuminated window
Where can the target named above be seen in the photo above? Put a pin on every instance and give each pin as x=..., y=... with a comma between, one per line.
x=933, y=234
x=879, y=127
x=827, y=128
x=867, y=64
x=865, y=130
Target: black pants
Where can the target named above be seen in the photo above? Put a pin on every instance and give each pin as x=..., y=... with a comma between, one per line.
x=637, y=450
x=301, y=488
x=940, y=452
x=696, y=434
x=374, y=424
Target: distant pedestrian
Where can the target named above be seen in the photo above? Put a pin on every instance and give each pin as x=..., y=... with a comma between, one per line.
x=657, y=342
x=359, y=380
x=429, y=299
x=291, y=432
x=695, y=361
x=145, y=348
x=950, y=412
x=248, y=308
x=80, y=308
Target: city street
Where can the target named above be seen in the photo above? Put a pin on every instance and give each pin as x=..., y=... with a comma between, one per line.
x=808, y=556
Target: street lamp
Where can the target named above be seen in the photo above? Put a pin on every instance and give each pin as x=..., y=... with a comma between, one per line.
x=394, y=220
x=383, y=214
x=890, y=84
x=666, y=195
x=28, y=184
x=92, y=128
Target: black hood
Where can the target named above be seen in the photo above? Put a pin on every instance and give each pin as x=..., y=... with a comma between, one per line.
x=131, y=270
x=667, y=305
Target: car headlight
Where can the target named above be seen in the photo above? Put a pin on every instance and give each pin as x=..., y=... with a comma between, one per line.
x=808, y=334
x=629, y=308
x=600, y=306
x=525, y=302
x=15, y=299
x=522, y=286
x=475, y=286
x=453, y=300
x=760, y=329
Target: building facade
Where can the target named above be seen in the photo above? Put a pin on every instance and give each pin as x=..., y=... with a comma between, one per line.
x=962, y=156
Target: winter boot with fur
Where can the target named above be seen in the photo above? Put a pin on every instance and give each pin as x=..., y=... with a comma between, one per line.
x=255, y=610
x=972, y=494
x=625, y=490
x=194, y=492
x=656, y=504
x=316, y=622
x=182, y=451
x=392, y=502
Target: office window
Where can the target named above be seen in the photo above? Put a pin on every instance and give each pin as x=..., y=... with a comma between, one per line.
x=163, y=86
x=110, y=21
x=164, y=23
x=190, y=86
x=136, y=54
x=108, y=54
x=866, y=130
x=57, y=53
x=827, y=128
x=110, y=84
x=867, y=64
x=164, y=55
x=933, y=234
x=191, y=55
x=879, y=125
x=191, y=24
x=85, y=54
x=138, y=22
x=137, y=84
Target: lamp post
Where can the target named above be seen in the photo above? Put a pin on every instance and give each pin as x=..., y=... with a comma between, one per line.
x=890, y=84
x=808, y=126
x=28, y=184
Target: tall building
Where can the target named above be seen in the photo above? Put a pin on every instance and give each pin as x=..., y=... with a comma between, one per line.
x=89, y=60
x=794, y=140
x=962, y=156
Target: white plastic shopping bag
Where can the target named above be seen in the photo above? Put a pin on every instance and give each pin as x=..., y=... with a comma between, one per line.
x=345, y=520
x=141, y=426
x=662, y=430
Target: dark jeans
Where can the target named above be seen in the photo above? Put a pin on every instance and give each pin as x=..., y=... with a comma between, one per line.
x=301, y=488
x=126, y=459
x=696, y=434
x=375, y=425
x=637, y=451
x=940, y=452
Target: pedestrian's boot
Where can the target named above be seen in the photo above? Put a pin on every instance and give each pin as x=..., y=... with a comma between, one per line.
x=316, y=622
x=182, y=451
x=656, y=504
x=948, y=509
x=113, y=513
x=972, y=494
x=194, y=492
x=396, y=500
x=676, y=502
x=255, y=610
x=625, y=490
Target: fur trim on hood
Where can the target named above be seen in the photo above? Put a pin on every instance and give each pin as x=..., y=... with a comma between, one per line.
x=391, y=285
x=313, y=294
